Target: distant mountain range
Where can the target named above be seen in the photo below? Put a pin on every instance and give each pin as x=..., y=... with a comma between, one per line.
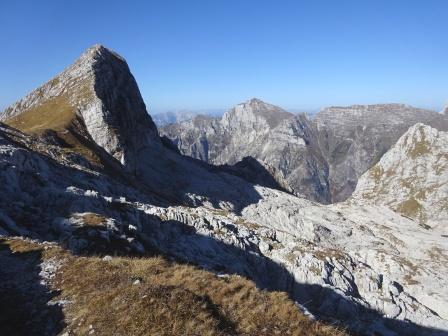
x=171, y=117
x=321, y=157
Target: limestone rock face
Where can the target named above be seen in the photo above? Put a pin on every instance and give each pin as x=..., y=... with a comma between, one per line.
x=412, y=177
x=265, y=132
x=100, y=90
x=354, y=138
x=172, y=117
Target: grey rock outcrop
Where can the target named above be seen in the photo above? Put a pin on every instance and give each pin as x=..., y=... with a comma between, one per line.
x=412, y=178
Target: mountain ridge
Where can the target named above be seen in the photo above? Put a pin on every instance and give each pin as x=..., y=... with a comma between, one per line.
x=262, y=131
x=340, y=142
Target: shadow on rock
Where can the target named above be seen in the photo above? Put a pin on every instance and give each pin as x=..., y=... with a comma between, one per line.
x=25, y=303
x=251, y=170
x=184, y=242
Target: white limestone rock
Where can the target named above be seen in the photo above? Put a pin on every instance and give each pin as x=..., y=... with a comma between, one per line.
x=412, y=178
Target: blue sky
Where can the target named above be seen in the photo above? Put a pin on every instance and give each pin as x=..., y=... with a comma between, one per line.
x=200, y=54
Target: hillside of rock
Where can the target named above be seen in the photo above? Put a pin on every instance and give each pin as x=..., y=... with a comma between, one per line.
x=412, y=178
x=162, y=119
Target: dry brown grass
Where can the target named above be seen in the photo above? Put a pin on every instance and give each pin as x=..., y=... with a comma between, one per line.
x=421, y=147
x=377, y=173
x=413, y=209
x=438, y=255
x=170, y=299
x=92, y=219
x=57, y=115
x=411, y=269
x=330, y=253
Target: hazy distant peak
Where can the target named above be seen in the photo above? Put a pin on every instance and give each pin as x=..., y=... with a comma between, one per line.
x=255, y=101
x=255, y=112
x=370, y=107
x=395, y=114
x=445, y=110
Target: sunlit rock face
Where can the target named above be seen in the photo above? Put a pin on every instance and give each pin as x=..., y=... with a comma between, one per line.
x=412, y=178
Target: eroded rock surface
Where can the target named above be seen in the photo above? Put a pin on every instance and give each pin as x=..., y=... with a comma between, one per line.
x=412, y=178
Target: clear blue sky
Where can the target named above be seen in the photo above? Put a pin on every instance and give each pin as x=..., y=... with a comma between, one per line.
x=215, y=53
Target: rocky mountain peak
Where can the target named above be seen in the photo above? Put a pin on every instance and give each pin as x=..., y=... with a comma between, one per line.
x=411, y=177
x=99, y=95
x=256, y=103
x=255, y=114
x=96, y=56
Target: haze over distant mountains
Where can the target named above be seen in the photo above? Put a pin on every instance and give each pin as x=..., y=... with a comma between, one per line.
x=87, y=178
x=321, y=157
x=171, y=117
x=164, y=118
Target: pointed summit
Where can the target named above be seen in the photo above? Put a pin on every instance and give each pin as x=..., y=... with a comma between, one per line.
x=101, y=53
x=96, y=96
